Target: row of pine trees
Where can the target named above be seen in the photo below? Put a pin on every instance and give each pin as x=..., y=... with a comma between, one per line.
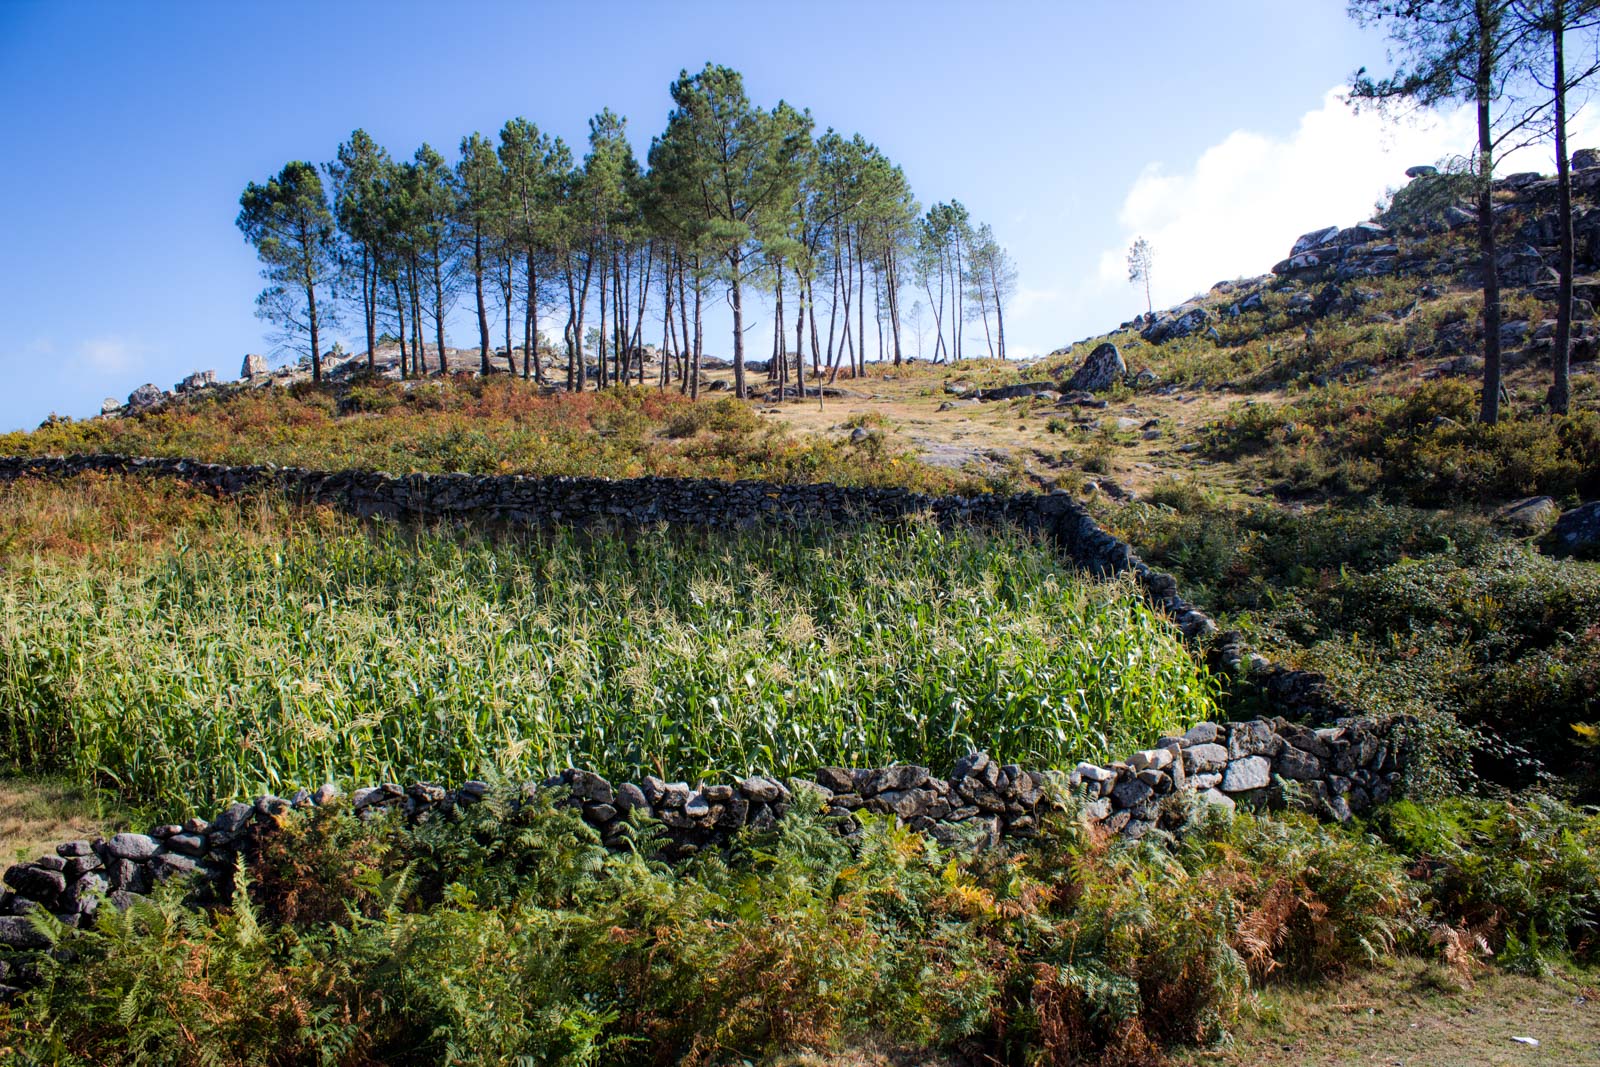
x=734, y=199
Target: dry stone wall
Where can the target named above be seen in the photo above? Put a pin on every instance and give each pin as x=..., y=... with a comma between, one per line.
x=1332, y=771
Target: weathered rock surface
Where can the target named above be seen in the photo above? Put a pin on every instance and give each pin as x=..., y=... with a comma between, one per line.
x=1577, y=532
x=1103, y=368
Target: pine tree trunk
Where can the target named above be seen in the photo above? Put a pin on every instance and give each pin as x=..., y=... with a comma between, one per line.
x=483, y=308
x=400, y=316
x=738, y=327
x=438, y=316
x=369, y=298
x=800, y=338
x=1560, y=387
x=1490, y=409
x=892, y=284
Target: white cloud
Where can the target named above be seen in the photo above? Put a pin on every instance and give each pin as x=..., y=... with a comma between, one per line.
x=111, y=354
x=1239, y=207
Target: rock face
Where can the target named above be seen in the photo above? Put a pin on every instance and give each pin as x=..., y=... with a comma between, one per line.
x=110, y=405
x=1181, y=323
x=147, y=395
x=200, y=379
x=1586, y=159
x=254, y=367
x=1532, y=514
x=1103, y=369
x=1577, y=532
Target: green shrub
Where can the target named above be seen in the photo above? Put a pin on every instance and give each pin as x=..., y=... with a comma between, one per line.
x=1523, y=876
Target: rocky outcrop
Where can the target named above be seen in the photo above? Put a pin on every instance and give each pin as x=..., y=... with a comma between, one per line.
x=1102, y=369
x=1019, y=391
x=254, y=366
x=193, y=383
x=1180, y=323
x=1577, y=532
x=146, y=396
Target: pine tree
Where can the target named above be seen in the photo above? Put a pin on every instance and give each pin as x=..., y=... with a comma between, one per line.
x=292, y=229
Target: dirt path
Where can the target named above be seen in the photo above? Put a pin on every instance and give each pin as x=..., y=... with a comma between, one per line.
x=1409, y=1014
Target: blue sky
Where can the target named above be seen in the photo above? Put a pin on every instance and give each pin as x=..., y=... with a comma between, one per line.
x=131, y=130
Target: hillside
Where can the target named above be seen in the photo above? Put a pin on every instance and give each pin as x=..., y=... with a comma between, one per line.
x=370, y=749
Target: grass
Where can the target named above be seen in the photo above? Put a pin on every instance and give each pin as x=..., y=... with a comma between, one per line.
x=253, y=647
x=38, y=814
x=494, y=426
x=1416, y=1013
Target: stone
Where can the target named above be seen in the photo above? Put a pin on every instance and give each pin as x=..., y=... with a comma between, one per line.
x=193, y=383
x=234, y=818
x=36, y=882
x=1533, y=514
x=17, y=932
x=761, y=789
x=697, y=806
x=1254, y=738
x=1131, y=793
x=1243, y=775
x=1201, y=759
x=1152, y=758
x=110, y=406
x=171, y=864
x=134, y=847
x=187, y=844
x=147, y=395
x=631, y=797
x=1577, y=532
x=1201, y=733
x=1301, y=766
x=1205, y=781
x=675, y=796
x=836, y=779
x=325, y=793
x=1315, y=239
x=1218, y=798
x=1103, y=368
x=254, y=366
x=1421, y=171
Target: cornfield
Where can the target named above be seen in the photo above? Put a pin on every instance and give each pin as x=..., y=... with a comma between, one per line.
x=272, y=658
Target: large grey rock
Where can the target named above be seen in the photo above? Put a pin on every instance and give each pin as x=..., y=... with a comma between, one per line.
x=1577, y=532
x=1422, y=170
x=1534, y=514
x=110, y=406
x=1523, y=267
x=1315, y=239
x=1201, y=759
x=1301, y=766
x=254, y=366
x=133, y=847
x=147, y=395
x=1131, y=793
x=1103, y=369
x=17, y=932
x=35, y=882
x=200, y=379
x=1586, y=159
x=1244, y=775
